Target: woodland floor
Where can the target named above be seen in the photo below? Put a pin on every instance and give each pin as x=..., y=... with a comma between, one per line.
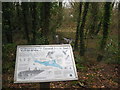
x=96, y=75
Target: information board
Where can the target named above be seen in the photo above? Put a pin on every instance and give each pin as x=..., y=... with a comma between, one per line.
x=44, y=63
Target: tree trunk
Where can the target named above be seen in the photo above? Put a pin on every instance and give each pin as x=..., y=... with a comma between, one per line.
x=45, y=17
x=99, y=27
x=78, y=27
x=60, y=14
x=18, y=16
x=57, y=23
x=25, y=9
x=34, y=21
x=94, y=16
x=7, y=21
x=118, y=34
x=82, y=46
x=106, y=22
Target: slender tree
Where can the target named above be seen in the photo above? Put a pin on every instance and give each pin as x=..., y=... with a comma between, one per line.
x=8, y=20
x=98, y=27
x=94, y=17
x=78, y=27
x=82, y=46
x=119, y=32
x=34, y=21
x=25, y=10
x=100, y=19
x=106, y=23
x=60, y=13
x=113, y=3
x=45, y=19
x=56, y=19
x=18, y=16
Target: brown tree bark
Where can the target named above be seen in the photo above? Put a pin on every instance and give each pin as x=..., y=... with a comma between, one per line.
x=106, y=23
x=25, y=10
x=7, y=21
x=82, y=43
x=45, y=17
x=78, y=27
x=34, y=21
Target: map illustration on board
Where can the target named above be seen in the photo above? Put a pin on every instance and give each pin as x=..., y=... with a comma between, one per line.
x=41, y=63
x=49, y=63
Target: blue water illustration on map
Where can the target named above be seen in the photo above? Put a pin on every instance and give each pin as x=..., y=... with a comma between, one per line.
x=49, y=63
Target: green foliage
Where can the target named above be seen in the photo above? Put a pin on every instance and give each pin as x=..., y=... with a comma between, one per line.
x=80, y=62
x=74, y=82
x=8, y=66
x=8, y=52
x=112, y=46
x=112, y=52
x=106, y=23
x=54, y=8
x=8, y=57
x=41, y=40
x=81, y=67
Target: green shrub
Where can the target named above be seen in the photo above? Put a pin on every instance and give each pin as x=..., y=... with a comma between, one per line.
x=112, y=52
x=8, y=52
x=8, y=57
x=80, y=62
x=41, y=40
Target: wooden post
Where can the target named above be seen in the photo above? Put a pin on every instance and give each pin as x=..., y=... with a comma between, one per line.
x=45, y=85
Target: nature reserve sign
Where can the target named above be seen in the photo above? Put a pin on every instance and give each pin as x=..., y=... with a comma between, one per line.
x=44, y=63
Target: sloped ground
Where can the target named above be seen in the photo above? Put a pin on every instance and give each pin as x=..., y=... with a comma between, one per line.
x=98, y=75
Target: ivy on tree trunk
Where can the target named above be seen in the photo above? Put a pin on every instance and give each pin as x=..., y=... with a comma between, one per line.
x=82, y=43
x=106, y=23
x=78, y=27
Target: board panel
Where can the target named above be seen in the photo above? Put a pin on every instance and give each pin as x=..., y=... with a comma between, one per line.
x=44, y=63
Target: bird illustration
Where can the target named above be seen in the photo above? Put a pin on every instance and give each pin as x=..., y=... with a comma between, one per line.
x=49, y=54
